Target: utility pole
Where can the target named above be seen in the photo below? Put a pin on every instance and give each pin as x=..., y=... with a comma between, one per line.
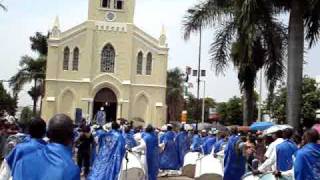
x=203, y=100
x=198, y=81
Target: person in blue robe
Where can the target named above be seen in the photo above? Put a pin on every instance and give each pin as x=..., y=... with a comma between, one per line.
x=152, y=153
x=219, y=143
x=101, y=117
x=107, y=165
x=37, y=131
x=53, y=162
x=129, y=138
x=97, y=134
x=196, y=142
x=307, y=163
x=204, y=136
x=285, y=152
x=182, y=144
x=207, y=146
x=234, y=161
x=169, y=159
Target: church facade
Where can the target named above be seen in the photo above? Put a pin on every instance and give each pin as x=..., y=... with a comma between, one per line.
x=107, y=63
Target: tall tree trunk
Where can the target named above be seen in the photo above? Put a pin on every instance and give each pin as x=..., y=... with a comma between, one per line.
x=248, y=106
x=295, y=63
x=35, y=99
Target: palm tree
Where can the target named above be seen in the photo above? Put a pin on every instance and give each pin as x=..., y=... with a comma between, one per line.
x=248, y=36
x=32, y=70
x=174, y=97
x=304, y=17
x=3, y=7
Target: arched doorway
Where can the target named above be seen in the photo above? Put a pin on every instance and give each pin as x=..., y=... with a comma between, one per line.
x=107, y=99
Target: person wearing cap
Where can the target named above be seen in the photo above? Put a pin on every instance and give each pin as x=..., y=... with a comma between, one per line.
x=307, y=164
x=183, y=145
x=207, y=146
x=196, y=142
x=169, y=159
x=221, y=140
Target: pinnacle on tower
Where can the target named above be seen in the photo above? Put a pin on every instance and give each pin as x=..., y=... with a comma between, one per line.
x=55, y=32
x=163, y=37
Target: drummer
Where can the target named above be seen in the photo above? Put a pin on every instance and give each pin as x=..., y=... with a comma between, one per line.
x=209, y=142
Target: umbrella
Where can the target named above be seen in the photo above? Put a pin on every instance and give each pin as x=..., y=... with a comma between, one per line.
x=260, y=126
x=316, y=127
x=276, y=128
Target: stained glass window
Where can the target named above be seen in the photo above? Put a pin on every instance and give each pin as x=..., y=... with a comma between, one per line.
x=66, y=55
x=75, y=62
x=149, y=64
x=107, y=59
x=139, y=63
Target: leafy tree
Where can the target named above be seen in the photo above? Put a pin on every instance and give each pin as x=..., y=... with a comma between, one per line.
x=174, y=96
x=303, y=24
x=26, y=116
x=7, y=102
x=33, y=70
x=194, y=107
x=310, y=103
x=249, y=35
x=231, y=112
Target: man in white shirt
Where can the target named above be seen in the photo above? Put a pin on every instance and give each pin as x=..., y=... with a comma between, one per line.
x=270, y=163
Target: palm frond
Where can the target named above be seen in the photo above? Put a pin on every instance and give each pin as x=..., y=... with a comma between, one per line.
x=3, y=7
x=204, y=14
x=19, y=80
x=220, y=48
x=312, y=22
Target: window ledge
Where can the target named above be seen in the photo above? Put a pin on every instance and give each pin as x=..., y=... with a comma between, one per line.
x=110, y=9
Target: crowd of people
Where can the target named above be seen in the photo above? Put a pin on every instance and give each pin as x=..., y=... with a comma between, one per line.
x=50, y=151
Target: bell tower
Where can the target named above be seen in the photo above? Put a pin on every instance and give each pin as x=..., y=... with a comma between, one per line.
x=111, y=10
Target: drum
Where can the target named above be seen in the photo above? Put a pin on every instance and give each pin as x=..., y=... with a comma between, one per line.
x=132, y=169
x=208, y=168
x=266, y=176
x=189, y=165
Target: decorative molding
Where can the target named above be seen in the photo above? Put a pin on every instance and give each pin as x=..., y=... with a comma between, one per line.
x=159, y=104
x=51, y=99
x=111, y=26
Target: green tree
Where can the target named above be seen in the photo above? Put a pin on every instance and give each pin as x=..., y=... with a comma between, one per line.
x=174, y=96
x=33, y=70
x=303, y=24
x=231, y=112
x=7, y=102
x=26, y=116
x=248, y=37
x=310, y=103
x=194, y=107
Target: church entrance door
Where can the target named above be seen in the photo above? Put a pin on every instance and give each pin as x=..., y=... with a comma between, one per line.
x=107, y=100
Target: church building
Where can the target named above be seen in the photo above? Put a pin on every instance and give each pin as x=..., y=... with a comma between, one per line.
x=107, y=62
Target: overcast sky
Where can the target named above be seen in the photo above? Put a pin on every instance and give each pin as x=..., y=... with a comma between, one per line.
x=25, y=17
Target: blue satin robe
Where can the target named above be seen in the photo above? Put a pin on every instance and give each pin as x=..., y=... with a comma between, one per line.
x=183, y=146
x=107, y=165
x=234, y=163
x=23, y=149
x=218, y=145
x=54, y=162
x=130, y=142
x=169, y=159
x=196, y=143
x=307, y=163
x=285, y=152
x=208, y=145
x=152, y=154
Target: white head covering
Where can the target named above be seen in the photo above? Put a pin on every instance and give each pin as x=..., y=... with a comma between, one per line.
x=107, y=127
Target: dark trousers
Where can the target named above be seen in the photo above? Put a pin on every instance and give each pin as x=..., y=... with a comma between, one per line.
x=83, y=159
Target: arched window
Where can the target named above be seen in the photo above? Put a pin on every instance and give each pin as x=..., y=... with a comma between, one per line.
x=149, y=64
x=139, y=63
x=107, y=59
x=66, y=55
x=118, y=4
x=106, y=3
x=75, y=62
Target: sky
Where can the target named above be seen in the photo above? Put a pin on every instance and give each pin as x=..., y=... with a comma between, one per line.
x=25, y=17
